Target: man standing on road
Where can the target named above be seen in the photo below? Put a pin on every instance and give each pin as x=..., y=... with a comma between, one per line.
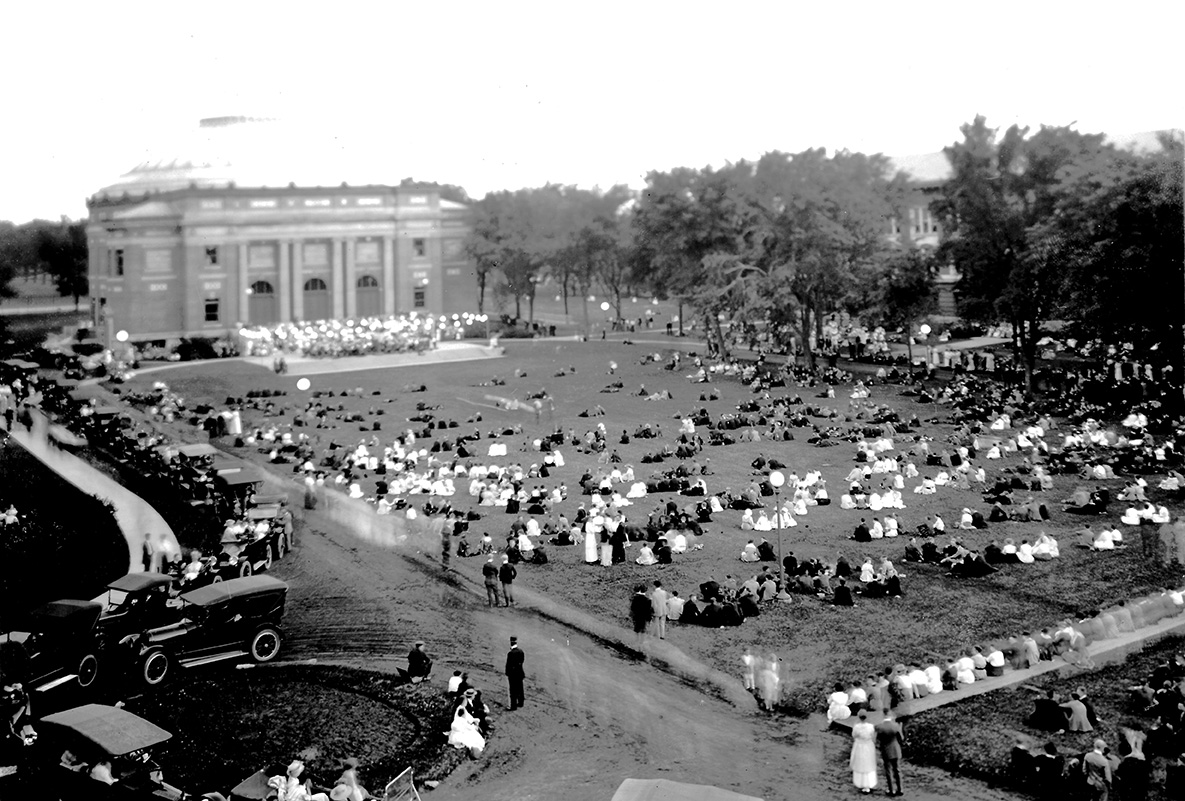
x=889, y=741
x=658, y=599
x=515, y=674
x=489, y=572
x=507, y=575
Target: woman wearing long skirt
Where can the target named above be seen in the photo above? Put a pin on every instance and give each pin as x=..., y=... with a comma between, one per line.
x=863, y=760
x=590, y=545
x=606, y=549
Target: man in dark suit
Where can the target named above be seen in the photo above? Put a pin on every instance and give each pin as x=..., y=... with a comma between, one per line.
x=515, y=674
x=889, y=741
x=1097, y=770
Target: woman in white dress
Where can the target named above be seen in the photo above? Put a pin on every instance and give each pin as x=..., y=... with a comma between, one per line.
x=646, y=555
x=464, y=733
x=837, y=705
x=1045, y=547
x=591, y=540
x=863, y=760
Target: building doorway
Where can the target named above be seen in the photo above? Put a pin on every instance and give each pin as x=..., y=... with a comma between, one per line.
x=370, y=298
x=261, y=304
x=316, y=299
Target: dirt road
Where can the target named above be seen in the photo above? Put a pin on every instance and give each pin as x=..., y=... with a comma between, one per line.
x=594, y=716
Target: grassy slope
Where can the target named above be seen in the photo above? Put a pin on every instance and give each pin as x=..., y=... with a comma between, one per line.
x=820, y=644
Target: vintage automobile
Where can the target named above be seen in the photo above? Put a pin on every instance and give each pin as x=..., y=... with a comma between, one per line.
x=72, y=742
x=59, y=645
x=226, y=620
x=135, y=603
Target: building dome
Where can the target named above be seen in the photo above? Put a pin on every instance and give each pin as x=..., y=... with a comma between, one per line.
x=248, y=152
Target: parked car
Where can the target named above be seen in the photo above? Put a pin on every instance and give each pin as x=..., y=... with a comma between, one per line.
x=226, y=620
x=135, y=603
x=58, y=645
x=72, y=742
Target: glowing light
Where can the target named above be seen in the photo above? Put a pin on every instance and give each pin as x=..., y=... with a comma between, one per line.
x=604, y=305
x=925, y=329
x=304, y=384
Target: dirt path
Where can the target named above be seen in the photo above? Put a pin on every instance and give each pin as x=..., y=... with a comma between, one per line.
x=593, y=717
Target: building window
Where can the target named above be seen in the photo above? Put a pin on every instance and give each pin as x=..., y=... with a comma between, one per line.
x=213, y=314
x=418, y=299
x=115, y=263
x=212, y=257
x=894, y=227
x=315, y=285
x=420, y=247
x=368, y=282
x=262, y=288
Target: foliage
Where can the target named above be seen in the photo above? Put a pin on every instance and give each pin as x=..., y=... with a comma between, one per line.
x=197, y=348
x=905, y=291
x=63, y=253
x=522, y=236
x=66, y=544
x=998, y=209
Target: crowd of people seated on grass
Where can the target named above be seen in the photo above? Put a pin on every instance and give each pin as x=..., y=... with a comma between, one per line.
x=361, y=337
x=1068, y=641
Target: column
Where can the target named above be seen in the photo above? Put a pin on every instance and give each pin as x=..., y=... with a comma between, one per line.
x=298, y=280
x=285, y=287
x=388, y=275
x=242, y=307
x=339, y=297
x=351, y=281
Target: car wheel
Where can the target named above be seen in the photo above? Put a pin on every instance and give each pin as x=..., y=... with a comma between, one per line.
x=244, y=569
x=265, y=645
x=267, y=559
x=88, y=670
x=281, y=547
x=155, y=667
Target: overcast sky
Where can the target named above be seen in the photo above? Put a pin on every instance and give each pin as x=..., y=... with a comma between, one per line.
x=498, y=95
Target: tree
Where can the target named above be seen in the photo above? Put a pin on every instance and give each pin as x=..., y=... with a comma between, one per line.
x=997, y=209
x=63, y=252
x=1119, y=227
x=905, y=291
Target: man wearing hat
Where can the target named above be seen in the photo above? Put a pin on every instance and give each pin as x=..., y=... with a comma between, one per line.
x=419, y=664
x=515, y=674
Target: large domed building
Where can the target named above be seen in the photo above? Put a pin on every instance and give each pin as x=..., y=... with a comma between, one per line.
x=252, y=222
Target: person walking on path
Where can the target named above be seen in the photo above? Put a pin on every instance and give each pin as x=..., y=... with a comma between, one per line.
x=507, y=574
x=863, y=760
x=658, y=600
x=489, y=572
x=641, y=611
x=515, y=674
x=889, y=741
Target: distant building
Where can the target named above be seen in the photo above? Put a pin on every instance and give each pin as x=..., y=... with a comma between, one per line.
x=918, y=227
x=248, y=227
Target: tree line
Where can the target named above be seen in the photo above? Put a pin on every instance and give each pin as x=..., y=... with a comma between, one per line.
x=1053, y=226
x=41, y=246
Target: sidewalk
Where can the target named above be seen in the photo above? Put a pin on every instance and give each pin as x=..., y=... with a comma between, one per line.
x=135, y=516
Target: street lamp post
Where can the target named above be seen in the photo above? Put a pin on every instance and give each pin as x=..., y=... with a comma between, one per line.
x=776, y=479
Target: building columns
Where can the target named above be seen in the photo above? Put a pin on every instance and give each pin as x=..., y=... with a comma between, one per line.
x=297, y=281
x=388, y=275
x=339, y=297
x=243, y=306
x=285, y=288
x=351, y=281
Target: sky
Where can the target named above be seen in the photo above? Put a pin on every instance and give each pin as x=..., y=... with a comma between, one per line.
x=501, y=95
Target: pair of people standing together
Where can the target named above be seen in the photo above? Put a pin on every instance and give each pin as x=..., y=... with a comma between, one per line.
x=885, y=737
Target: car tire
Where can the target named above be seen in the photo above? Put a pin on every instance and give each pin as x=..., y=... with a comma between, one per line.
x=245, y=570
x=88, y=670
x=155, y=667
x=281, y=547
x=267, y=559
x=265, y=645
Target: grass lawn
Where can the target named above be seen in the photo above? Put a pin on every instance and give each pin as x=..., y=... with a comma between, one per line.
x=975, y=736
x=319, y=714
x=819, y=644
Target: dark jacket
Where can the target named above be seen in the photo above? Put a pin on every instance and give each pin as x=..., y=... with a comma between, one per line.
x=507, y=573
x=514, y=663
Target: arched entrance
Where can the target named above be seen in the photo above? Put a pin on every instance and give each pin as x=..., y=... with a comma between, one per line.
x=261, y=304
x=370, y=299
x=316, y=299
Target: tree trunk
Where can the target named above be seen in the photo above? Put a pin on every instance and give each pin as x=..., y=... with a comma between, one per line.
x=481, y=291
x=715, y=326
x=531, y=305
x=518, y=306
x=807, y=351
x=680, y=316
x=1027, y=342
x=587, y=321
